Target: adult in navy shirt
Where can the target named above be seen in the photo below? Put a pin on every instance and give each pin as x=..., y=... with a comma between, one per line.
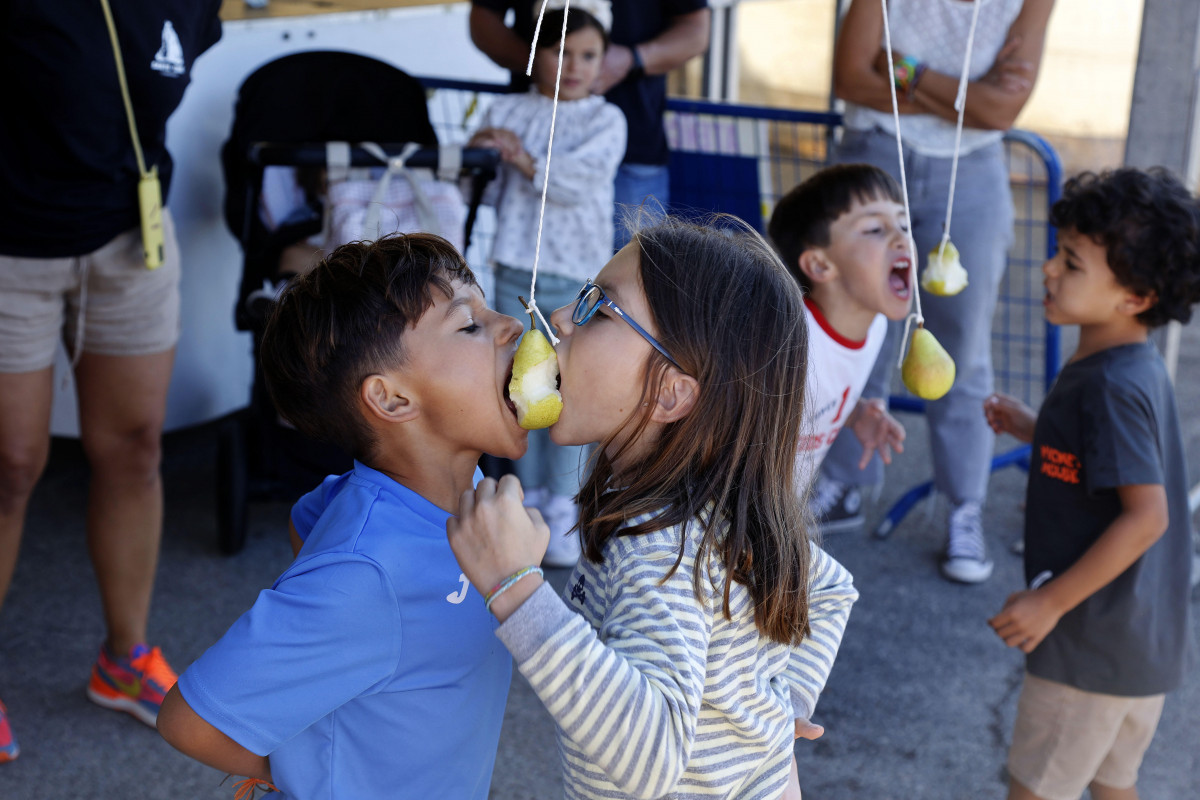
x=649, y=39
x=71, y=269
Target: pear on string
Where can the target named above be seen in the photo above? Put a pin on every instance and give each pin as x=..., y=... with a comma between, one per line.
x=928, y=370
x=533, y=388
x=944, y=273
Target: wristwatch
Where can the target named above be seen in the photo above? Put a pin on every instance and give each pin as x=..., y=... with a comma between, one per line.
x=638, y=70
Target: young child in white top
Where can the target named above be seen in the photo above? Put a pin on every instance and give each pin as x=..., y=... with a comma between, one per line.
x=842, y=235
x=577, y=232
x=695, y=635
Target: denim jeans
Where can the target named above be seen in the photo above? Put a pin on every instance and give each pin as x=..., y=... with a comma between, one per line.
x=644, y=187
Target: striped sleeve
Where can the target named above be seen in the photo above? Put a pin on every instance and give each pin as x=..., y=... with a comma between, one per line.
x=626, y=698
x=831, y=593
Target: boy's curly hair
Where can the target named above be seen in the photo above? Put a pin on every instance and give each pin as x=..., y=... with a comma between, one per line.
x=345, y=320
x=1149, y=226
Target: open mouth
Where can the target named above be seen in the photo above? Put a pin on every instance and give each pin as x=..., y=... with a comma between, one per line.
x=512, y=407
x=900, y=276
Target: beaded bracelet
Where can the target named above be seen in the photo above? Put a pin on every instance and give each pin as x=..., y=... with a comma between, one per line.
x=506, y=584
x=905, y=74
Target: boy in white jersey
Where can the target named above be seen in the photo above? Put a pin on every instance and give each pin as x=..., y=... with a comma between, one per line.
x=843, y=236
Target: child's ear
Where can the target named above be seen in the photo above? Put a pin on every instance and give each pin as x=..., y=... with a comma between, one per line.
x=817, y=266
x=677, y=396
x=1135, y=304
x=386, y=399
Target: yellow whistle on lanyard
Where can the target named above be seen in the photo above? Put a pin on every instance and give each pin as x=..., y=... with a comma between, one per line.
x=150, y=207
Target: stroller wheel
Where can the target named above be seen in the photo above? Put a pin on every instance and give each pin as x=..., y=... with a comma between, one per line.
x=232, y=484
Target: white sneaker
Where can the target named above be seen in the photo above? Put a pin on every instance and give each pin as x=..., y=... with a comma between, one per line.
x=966, y=558
x=561, y=515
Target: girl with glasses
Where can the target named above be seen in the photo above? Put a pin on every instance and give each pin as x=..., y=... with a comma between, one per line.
x=693, y=638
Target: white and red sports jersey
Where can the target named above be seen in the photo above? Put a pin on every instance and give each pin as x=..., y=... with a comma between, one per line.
x=837, y=371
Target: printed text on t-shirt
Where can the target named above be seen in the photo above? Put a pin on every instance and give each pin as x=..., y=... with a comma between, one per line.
x=1059, y=465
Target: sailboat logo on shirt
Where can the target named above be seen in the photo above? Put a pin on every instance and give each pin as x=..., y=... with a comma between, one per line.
x=169, y=58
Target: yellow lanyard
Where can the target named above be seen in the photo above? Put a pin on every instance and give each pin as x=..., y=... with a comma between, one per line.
x=149, y=191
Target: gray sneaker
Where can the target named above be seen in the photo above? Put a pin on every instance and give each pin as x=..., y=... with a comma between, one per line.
x=966, y=559
x=835, y=506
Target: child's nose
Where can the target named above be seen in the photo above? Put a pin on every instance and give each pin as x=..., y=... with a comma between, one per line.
x=560, y=318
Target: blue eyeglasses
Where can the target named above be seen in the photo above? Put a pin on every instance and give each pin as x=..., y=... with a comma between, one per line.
x=591, y=297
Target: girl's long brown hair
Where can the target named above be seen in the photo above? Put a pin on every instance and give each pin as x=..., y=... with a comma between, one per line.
x=727, y=310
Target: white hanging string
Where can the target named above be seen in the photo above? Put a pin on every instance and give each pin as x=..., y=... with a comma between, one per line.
x=960, y=105
x=916, y=316
x=537, y=253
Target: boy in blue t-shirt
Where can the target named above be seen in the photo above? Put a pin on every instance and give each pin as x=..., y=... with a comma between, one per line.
x=1105, y=620
x=370, y=668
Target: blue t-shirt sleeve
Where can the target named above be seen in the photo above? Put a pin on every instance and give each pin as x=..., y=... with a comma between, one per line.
x=326, y=633
x=309, y=508
x=1120, y=446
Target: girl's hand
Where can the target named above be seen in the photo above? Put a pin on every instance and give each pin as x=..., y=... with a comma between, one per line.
x=1026, y=619
x=1007, y=414
x=495, y=536
x=877, y=431
x=808, y=730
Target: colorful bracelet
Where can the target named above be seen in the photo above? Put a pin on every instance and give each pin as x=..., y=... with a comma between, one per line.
x=506, y=584
x=905, y=74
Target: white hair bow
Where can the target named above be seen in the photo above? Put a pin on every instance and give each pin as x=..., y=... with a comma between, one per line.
x=600, y=9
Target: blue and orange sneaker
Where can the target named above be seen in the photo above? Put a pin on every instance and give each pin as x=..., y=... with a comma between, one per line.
x=9, y=749
x=136, y=684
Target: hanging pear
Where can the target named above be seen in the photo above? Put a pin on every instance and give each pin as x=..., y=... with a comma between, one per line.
x=534, y=385
x=944, y=273
x=928, y=370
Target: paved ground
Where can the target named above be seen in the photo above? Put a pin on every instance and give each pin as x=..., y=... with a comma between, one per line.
x=920, y=703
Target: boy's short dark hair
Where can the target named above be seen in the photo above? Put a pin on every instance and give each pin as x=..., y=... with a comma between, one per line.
x=344, y=321
x=1149, y=226
x=802, y=217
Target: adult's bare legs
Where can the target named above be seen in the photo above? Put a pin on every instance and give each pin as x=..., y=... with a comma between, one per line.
x=122, y=405
x=25, y=399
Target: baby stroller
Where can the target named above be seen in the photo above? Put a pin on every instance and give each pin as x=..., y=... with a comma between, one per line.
x=314, y=111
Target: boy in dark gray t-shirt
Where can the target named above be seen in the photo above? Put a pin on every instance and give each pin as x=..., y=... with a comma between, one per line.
x=1105, y=620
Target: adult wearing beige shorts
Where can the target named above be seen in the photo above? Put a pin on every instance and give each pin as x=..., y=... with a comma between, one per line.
x=72, y=270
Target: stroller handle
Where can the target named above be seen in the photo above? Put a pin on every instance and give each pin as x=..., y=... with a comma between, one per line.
x=313, y=154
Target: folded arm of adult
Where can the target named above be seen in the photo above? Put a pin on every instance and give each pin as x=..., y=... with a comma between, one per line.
x=862, y=73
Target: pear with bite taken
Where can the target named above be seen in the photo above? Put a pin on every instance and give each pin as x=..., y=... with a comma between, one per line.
x=534, y=385
x=944, y=273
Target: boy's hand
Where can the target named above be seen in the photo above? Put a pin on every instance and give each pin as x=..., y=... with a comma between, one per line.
x=1007, y=414
x=1026, y=619
x=495, y=536
x=877, y=430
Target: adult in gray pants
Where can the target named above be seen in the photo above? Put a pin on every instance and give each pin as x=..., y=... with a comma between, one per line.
x=929, y=39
